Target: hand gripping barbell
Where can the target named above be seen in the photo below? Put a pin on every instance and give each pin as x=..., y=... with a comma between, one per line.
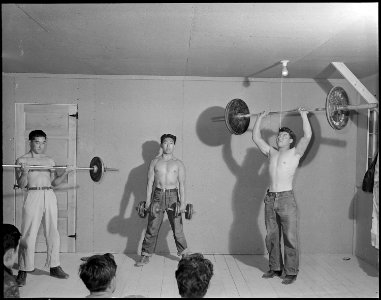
x=237, y=115
x=97, y=168
x=154, y=209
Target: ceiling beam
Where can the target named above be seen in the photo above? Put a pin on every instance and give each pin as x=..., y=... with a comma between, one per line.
x=356, y=83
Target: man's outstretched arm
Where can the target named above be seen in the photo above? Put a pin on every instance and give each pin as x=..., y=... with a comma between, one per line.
x=257, y=138
x=305, y=140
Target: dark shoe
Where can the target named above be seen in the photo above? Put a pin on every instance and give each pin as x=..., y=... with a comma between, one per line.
x=271, y=274
x=58, y=273
x=289, y=279
x=143, y=261
x=21, y=278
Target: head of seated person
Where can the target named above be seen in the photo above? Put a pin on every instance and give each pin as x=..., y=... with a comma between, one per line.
x=98, y=274
x=11, y=240
x=193, y=275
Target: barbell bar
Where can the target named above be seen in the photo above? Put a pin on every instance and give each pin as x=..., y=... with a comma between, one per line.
x=96, y=168
x=51, y=167
x=343, y=107
x=337, y=108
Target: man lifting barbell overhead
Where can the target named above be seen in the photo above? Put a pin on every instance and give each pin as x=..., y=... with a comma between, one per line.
x=40, y=204
x=280, y=204
x=166, y=188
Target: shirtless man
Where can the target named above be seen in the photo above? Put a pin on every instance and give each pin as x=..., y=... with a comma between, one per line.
x=166, y=175
x=40, y=204
x=280, y=205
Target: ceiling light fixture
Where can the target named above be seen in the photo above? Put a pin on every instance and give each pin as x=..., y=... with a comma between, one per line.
x=284, y=69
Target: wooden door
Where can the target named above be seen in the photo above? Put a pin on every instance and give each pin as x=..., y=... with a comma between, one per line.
x=59, y=122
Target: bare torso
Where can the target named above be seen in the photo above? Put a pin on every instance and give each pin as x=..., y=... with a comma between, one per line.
x=166, y=173
x=282, y=169
x=38, y=177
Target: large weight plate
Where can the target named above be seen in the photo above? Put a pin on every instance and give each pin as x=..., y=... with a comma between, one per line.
x=155, y=209
x=96, y=175
x=234, y=108
x=337, y=118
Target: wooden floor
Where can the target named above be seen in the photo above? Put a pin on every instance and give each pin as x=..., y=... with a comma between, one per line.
x=235, y=276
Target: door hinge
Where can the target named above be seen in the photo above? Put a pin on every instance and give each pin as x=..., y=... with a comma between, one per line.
x=74, y=115
x=73, y=236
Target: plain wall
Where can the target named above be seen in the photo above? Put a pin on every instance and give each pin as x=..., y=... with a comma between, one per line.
x=121, y=119
x=363, y=202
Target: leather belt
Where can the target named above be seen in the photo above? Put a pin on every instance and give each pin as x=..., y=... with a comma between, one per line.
x=276, y=194
x=33, y=188
x=163, y=190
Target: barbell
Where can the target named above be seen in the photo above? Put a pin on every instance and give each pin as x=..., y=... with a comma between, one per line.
x=154, y=209
x=96, y=168
x=237, y=115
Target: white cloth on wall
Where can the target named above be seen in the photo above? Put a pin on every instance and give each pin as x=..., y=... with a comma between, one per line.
x=375, y=224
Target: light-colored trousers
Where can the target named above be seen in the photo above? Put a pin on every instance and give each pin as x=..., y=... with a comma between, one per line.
x=39, y=205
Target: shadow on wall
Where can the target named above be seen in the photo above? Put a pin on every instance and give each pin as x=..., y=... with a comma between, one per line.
x=134, y=226
x=249, y=189
x=252, y=180
x=363, y=239
x=212, y=133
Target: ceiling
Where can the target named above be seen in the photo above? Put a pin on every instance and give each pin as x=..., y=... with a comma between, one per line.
x=191, y=39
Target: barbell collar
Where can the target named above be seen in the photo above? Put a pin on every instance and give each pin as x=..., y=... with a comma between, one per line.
x=110, y=169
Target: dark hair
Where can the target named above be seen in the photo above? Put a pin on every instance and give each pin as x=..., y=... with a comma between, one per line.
x=98, y=271
x=36, y=133
x=291, y=133
x=11, y=237
x=193, y=275
x=167, y=135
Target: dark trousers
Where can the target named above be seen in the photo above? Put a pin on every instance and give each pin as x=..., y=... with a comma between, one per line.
x=281, y=218
x=166, y=199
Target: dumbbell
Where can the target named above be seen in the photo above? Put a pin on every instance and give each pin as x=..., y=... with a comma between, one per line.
x=188, y=210
x=142, y=211
x=154, y=209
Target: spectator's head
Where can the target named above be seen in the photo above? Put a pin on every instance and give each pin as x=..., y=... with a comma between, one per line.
x=193, y=275
x=11, y=239
x=98, y=273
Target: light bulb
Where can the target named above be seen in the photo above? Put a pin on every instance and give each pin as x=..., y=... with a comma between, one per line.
x=284, y=69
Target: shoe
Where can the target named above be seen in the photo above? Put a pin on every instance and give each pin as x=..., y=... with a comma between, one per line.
x=271, y=274
x=289, y=279
x=143, y=261
x=21, y=278
x=58, y=273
